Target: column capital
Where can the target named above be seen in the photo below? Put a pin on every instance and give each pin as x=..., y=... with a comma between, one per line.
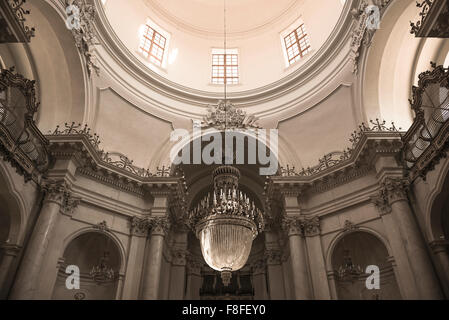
x=11, y=250
x=294, y=226
x=273, y=256
x=194, y=265
x=394, y=189
x=259, y=266
x=312, y=227
x=55, y=190
x=159, y=225
x=139, y=226
x=381, y=203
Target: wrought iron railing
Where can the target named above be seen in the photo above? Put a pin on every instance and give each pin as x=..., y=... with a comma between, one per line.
x=21, y=142
x=426, y=140
x=14, y=14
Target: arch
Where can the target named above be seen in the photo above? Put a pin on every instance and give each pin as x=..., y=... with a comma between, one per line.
x=285, y=155
x=67, y=240
x=362, y=248
x=63, y=86
x=84, y=249
x=392, y=63
x=342, y=234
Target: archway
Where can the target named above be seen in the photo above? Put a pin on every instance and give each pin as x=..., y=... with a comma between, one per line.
x=98, y=258
x=352, y=254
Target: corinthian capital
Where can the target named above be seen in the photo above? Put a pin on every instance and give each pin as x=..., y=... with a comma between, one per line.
x=55, y=190
x=394, y=189
x=312, y=227
x=159, y=225
x=139, y=226
x=294, y=226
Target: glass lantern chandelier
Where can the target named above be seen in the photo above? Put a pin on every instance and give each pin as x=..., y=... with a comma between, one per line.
x=226, y=223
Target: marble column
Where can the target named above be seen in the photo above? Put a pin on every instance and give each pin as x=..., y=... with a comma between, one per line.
x=440, y=249
x=159, y=227
x=10, y=252
x=136, y=253
x=26, y=282
x=194, y=280
x=294, y=227
x=316, y=259
x=259, y=272
x=275, y=273
x=332, y=285
x=395, y=192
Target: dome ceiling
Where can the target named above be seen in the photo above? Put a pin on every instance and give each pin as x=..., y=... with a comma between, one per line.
x=206, y=16
x=194, y=28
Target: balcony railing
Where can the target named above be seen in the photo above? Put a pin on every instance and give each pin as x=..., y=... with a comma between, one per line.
x=433, y=19
x=21, y=142
x=428, y=138
x=13, y=27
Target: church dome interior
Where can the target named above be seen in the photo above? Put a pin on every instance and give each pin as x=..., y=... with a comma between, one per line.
x=224, y=150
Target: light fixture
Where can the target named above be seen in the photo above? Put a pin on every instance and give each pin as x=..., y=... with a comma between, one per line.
x=102, y=272
x=348, y=270
x=226, y=223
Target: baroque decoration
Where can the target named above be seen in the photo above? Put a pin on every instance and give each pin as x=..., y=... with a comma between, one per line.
x=80, y=19
x=433, y=19
x=22, y=143
x=426, y=140
x=14, y=8
x=366, y=26
x=225, y=115
x=226, y=222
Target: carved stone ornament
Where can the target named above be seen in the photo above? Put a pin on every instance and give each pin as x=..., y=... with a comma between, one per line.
x=55, y=190
x=395, y=189
x=159, y=225
x=69, y=204
x=294, y=226
x=194, y=265
x=139, y=226
x=381, y=203
x=179, y=257
x=273, y=256
x=349, y=226
x=259, y=266
x=365, y=28
x=225, y=115
x=80, y=19
x=312, y=227
x=102, y=226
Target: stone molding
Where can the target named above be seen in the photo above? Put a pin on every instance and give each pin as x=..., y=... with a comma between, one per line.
x=11, y=250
